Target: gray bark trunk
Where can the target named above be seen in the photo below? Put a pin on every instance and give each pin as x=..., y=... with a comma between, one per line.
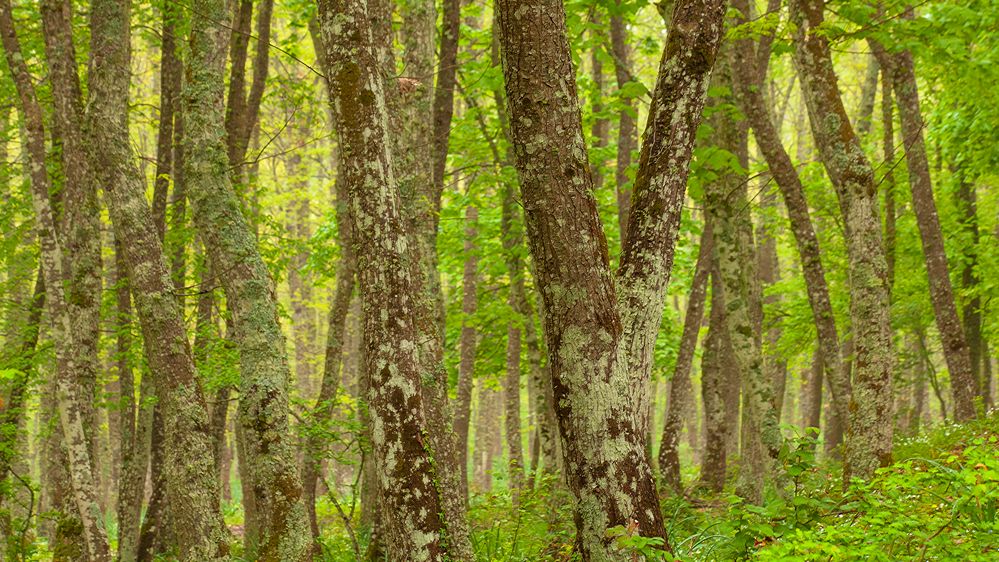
x=232, y=248
x=870, y=424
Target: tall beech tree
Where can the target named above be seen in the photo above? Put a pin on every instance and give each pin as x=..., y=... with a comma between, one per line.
x=599, y=341
x=232, y=248
x=72, y=415
x=849, y=169
x=392, y=288
x=189, y=465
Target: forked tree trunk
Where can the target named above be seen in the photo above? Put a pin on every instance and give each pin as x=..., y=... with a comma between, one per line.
x=600, y=343
x=72, y=416
x=870, y=426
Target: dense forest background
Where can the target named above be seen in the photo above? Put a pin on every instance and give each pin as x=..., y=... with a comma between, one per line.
x=285, y=280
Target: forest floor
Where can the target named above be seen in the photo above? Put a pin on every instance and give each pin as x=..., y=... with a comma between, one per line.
x=939, y=500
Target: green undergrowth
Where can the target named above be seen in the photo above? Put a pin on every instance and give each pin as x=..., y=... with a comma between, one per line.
x=939, y=500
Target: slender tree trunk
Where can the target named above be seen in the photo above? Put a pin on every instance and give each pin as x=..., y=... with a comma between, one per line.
x=888, y=181
x=681, y=389
x=774, y=365
x=726, y=202
x=232, y=249
x=242, y=106
x=750, y=84
x=171, y=74
x=600, y=131
x=918, y=388
x=627, y=132
x=80, y=224
x=467, y=344
x=132, y=482
x=72, y=414
x=868, y=91
x=812, y=409
x=964, y=383
x=303, y=315
x=512, y=244
x=853, y=178
x=971, y=312
x=712, y=383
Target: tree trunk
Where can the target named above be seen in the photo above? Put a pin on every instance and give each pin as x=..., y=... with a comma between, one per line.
x=188, y=464
x=712, y=389
x=80, y=224
x=870, y=409
x=392, y=290
x=171, y=74
x=72, y=415
x=681, y=389
x=964, y=383
x=750, y=84
x=511, y=231
x=627, y=131
x=726, y=202
x=600, y=344
x=467, y=344
x=487, y=437
x=231, y=246
x=868, y=91
x=972, y=307
x=888, y=147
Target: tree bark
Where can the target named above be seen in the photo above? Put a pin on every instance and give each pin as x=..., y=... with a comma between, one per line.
x=712, y=382
x=71, y=414
x=232, y=249
x=853, y=178
x=972, y=307
x=681, y=389
x=964, y=384
x=79, y=227
x=627, y=132
x=171, y=74
x=726, y=202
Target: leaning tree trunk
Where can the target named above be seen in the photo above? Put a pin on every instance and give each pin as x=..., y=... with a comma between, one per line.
x=80, y=227
x=681, y=389
x=192, y=485
x=751, y=89
x=72, y=416
x=870, y=425
x=232, y=248
x=393, y=290
x=964, y=385
x=600, y=344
